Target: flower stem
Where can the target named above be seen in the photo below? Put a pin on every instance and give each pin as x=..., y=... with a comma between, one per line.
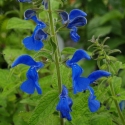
x=113, y=92
x=56, y=54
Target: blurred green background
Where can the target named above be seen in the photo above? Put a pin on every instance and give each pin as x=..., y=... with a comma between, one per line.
x=104, y=17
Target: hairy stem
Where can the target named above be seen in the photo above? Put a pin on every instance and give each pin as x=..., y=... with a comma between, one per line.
x=56, y=54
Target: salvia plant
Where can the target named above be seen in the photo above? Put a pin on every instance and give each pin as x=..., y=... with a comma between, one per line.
x=66, y=96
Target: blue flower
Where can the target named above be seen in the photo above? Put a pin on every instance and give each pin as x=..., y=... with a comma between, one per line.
x=81, y=83
x=27, y=60
x=77, y=71
x=23, y=1
x=93, y=104
x=76, y=18
x=34, y=42
x=98, y=74
x=45, y=3
x=65, y=104
x=122, y=105
x=73, y=34
x=31, y=83
x=77, y=56
x=31, y=14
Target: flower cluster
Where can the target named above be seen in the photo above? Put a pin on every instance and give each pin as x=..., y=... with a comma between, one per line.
x=76, y=18
x=81, y=83
x=31, y=83
x=34, y=42
x=73, y=20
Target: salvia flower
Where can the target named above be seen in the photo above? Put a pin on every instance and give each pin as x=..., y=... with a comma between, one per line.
x=25, y=1
x=81, y=83
x=65, y=104
x=31, y=14
x=31, y=83
x=77, y=56
x=76, y=18
x=77, y=71
x=122, y=105
x=45, y=3
x=34, y=42
x=93, y=104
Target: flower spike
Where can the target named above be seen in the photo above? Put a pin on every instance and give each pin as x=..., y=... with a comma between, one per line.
x=65, y=104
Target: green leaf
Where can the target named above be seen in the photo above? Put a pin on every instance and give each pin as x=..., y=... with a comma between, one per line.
x=116, y=82
x=80, y=111
x=32, y=100
x=5, y=78
x=114, y=51
x=51, y=120
x=102, y=119
x=47, y=83
x=68, y=50
x=16, y=23
x=8, y=82
x=116, y=66
x=45, y=54
x=55, y=4
x=45, y=107
x=66, y=75
x=114, y=14
x=104, y=30
x=94, y=23
x=121, y=96
x=101, y=30
x=115, y=42
x=25, y=116
x=112, y=58
x=123, y=66
x=11, y=54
